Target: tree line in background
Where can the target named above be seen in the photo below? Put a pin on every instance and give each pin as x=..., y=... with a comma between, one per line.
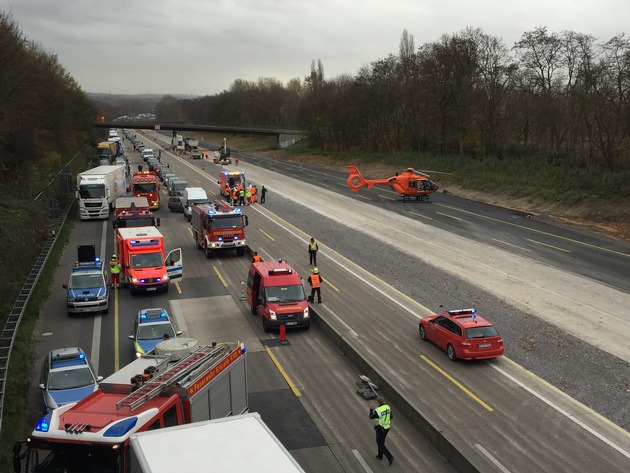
x=45, y=119
x=561, y=96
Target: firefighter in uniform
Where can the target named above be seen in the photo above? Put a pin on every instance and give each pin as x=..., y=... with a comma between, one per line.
x=382, y=415
x=114, y=269
x=256, y=258
x=241, y=196
x=248, y=195
x=315, y=281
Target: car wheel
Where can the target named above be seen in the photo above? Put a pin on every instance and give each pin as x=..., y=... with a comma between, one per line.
x=450, y=351
x=265, y=325
x=423, y=333
x=208, y=251
x=240, y=251
x=166, y=289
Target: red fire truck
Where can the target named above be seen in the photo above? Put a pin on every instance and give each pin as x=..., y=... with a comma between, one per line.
x=144, y=267
x=134, y=212
x=94, y=434
x=219, y=226
x=145, y=184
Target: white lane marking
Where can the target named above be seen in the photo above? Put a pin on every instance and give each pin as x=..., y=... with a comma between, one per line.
x=361, y=460
x=492, y=459
x=352, y=333
x=593, y=432
x=98, y=319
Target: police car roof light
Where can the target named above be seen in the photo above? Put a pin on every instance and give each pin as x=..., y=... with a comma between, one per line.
x=462, y=311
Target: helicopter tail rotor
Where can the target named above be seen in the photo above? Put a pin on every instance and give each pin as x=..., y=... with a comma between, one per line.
x=356, y=180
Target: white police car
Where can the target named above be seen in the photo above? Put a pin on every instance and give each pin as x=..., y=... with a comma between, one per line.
x=87, y=289
x=67, y=376
x=150, y=327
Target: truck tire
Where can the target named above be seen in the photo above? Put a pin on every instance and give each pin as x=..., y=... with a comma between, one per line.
x=240, y=251
x=265, y=325
x=196, y=235
x=208, y=251
x=166, y=288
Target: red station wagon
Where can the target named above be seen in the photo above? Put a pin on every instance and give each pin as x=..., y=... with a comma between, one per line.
x=462, y=334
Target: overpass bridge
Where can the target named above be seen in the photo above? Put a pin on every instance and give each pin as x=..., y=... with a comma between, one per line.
x=283, y=137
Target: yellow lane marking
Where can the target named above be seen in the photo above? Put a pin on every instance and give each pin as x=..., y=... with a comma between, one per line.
x=510, y=244
x=116, y=340
x=549, y=246
x=540, y=232
x=266, y=234
x=282, y=372
x=216, y=270
x=457, y=383
x=179, y=289
x=447, y=215
x=331, y=285
x=420, y=215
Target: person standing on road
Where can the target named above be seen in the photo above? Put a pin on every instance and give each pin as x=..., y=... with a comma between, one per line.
x=236, y=160
x=256, y=258
x=114, y=269
x=241, y=197
x=382, y=415
x=312, y=252
x=263, y=193
x=315, y=281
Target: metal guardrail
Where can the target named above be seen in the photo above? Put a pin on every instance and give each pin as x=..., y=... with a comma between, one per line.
x=7, y=337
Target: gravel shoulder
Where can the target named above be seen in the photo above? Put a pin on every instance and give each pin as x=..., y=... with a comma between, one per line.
x=564, y=328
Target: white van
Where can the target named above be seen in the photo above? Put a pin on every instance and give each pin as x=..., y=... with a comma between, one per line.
x=193, y=195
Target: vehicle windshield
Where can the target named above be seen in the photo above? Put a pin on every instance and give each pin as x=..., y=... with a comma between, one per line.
x=136, y=222
x=481, y=332
x=147, y=260
x=293, y=293
x=145, y=187
x=92, y=191
x=233, y=221
x=86, y=281
x=73, y=458
x=70, y=378
x=154, y=331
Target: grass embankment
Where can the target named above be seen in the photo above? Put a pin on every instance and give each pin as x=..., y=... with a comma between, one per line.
x=16, y=422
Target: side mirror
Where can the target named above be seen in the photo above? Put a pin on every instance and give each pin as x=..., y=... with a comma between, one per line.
x=114, y=224
x=99, y=379
x=157, y=222
x=179, y=332
x=41, y=386
x=65, y=286
x=131, y=337
x=246, y=220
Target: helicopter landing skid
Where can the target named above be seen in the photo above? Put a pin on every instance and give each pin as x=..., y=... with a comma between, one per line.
x=416, y=198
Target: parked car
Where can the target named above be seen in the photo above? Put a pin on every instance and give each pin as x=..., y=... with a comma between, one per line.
x=67, y=376
x=150, y=327
x=176, y=204
x=177, y=186
x=463, y=334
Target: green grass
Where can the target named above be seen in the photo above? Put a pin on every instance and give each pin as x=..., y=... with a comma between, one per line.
x=17, y=422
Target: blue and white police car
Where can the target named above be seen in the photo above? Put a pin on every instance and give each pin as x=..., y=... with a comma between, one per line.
x=150, y=327
x=67, y=376
x=87, y=289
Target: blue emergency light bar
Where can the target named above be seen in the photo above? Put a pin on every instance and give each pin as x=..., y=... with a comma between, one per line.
x=145, y=242
x=462, y=311
x=144, y=315
x=44, y=423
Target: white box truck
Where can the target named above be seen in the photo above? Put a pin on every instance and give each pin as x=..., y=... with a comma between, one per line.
x=237, y=444
x=97, y=190
x=193, y=195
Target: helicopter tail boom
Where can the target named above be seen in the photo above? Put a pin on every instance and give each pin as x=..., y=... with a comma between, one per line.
x=356, y=180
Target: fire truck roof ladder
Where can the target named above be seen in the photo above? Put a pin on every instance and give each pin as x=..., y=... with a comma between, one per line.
x=173, y=375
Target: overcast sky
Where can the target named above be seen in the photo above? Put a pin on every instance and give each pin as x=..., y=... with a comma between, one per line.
x=201, y=46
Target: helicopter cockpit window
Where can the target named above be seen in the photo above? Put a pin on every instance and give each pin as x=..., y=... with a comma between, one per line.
x=415, y=184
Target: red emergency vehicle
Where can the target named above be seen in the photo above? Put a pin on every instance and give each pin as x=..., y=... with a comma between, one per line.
x=144, y=267
x=218, y=226
x=230, y=179
x=134, y=212
x=275, y=292
x=94, y=434
x=145, y=184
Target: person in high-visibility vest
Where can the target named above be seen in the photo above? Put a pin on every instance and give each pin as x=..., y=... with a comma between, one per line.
x=315, y=281
x=234, y=196
x=382, y=415
x=254, y=194
x=312, y=252
x=241, y=196
x=115, y=268
x=248, y=195
x=256, y=258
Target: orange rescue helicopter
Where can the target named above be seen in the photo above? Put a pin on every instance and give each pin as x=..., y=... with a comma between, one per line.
x=410, y=184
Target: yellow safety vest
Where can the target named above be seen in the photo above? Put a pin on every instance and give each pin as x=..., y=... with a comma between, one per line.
x=384, y=416
x=115, y=268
